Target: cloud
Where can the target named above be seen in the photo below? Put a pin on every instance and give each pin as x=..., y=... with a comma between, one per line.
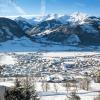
x=19, y=9
x=43, y=7
x=8, y=8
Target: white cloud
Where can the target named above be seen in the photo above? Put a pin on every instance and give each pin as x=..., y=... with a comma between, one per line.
x=8, y=8
x=19, y=9
x=43, y=7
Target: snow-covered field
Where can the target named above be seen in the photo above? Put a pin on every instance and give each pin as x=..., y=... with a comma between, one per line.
x=25, y=45
x=69, y=54
x=61, y=93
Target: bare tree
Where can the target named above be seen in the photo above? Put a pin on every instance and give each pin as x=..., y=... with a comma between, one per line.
x=84, y=84
x=67, y=86
x=46, y=86
x=55, y=87
x=42, y=85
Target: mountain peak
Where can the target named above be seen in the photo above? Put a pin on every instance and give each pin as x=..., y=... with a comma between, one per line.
x=79, y=17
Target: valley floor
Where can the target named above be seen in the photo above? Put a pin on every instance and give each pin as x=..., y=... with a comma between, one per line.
x=25, y=45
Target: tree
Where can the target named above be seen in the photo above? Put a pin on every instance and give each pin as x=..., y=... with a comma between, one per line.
x=21, y=92
x=55, y=87
x=46, y=86
x=97, y=76
x=67, y=86
x=84, y=84
x=42, y=85
x=1, y=68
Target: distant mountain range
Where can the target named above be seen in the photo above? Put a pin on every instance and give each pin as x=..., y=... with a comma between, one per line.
x=76, y=29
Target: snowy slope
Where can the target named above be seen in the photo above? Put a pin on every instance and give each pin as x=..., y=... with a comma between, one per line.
x=16, y=45
x=60, y=28
x=25, y=45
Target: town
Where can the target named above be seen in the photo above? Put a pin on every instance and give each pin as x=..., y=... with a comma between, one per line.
x=68, y=76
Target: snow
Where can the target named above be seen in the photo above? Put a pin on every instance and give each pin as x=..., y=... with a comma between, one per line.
x=74, y=17
x=95, y=86
x=18, y=44
x=36, y=19
x=7, y=84
x=89, y=28
x=49, y=17
x=73, y=39
x=68, y=54
x=45, y=32
x=6, y=59
x=24, y=44
x=79, y=17
x=29, y=20
x=61, y=94
x=64, y=18
x=21, y=18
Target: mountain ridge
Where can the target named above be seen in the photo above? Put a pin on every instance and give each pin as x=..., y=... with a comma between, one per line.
x=74, y=30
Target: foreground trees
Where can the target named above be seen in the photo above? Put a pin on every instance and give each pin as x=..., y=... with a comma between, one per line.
x=20, y=92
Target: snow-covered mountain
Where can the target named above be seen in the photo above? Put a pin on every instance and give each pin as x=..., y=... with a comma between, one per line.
x=27, y=23
x=61, y=28
x=75, y=29
x=9, y=30
x=75, y=17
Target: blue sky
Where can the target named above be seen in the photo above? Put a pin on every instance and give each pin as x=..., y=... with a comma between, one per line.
x=91, y=7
